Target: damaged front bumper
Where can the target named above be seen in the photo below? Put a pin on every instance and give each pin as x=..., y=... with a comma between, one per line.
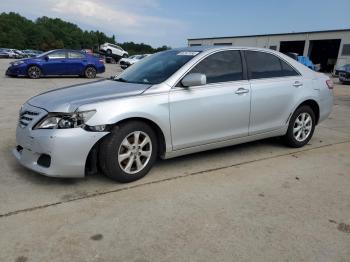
x=55, y=152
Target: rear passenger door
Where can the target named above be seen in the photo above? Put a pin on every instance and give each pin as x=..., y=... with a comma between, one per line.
x=75, y=63
x=274, y=88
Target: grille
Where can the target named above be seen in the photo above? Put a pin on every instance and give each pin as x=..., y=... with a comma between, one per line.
x=26, y=117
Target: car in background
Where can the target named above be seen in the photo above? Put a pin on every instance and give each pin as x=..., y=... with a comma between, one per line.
x=303, y=60
x=88, y=51
x=4, y=53
x=113, y=50
x=31, y=52
x=172, y=103
x=343, y=73
x=9, y=53
x=126, y=62
x=57, y=62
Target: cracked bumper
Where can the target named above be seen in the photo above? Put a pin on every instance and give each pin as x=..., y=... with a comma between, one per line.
x=67, y=148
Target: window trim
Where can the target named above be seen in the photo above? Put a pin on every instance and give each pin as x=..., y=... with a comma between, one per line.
x=270, y=53
x=244, y=69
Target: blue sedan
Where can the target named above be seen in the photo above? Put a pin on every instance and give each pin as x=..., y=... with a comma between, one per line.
x=57, y=62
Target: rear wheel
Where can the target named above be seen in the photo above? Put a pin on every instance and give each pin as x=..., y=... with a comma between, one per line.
x=34, y=72
x=129, y=152
x=90, y=72
x=109, y=51
x=301, y=127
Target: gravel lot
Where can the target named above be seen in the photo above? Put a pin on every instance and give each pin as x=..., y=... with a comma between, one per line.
x=259, y=201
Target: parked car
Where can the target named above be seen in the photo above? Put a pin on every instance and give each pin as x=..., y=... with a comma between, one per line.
x=126, y=62
x=4, y=53
x=344, y=73
x=112, y=49
x=58, y=62
x=31, y=53
x=10, y=53
x=173, y=103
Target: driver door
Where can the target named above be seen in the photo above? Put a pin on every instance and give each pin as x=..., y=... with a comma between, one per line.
x=56, y=64
x=216, y=111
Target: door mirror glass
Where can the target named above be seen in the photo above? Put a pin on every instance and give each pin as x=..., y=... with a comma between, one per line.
x=46, y=58
x=194, y=79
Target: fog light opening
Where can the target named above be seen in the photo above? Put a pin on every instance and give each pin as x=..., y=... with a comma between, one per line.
x=44, y=160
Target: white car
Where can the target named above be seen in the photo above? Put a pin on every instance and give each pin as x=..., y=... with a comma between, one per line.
x=126, y=62
x=112, y=49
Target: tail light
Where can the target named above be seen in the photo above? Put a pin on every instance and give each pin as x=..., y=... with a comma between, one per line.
x=330, y=84
x=101, y=61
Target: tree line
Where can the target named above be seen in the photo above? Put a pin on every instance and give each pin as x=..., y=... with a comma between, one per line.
x=47, y=33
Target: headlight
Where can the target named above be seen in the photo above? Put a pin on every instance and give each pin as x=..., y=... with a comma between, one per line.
x=16, y=63
x=65, y=120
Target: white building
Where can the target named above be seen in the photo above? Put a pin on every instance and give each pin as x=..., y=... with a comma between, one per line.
x=327, y=48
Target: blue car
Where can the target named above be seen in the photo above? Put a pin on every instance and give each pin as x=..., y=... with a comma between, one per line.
x=58, y=62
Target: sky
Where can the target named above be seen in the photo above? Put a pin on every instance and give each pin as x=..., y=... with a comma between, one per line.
x=172, y=22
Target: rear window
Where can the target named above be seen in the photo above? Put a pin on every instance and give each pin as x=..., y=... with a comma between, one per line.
x=265, y=65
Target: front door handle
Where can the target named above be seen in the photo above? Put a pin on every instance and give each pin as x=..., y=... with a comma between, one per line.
x=297, y=84
x=242, y=91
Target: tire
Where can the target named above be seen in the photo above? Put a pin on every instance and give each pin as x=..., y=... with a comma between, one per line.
x=301, y=127
x=109, y=51
x=90, y=72
x=34, y=72
x=125, y=56
x=121, y=158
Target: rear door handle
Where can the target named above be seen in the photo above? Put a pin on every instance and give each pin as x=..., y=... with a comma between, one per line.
x=242, y=91
x=297, y=84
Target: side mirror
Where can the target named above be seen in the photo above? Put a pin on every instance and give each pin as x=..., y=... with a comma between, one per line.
x=194, y=79
x=46, y=58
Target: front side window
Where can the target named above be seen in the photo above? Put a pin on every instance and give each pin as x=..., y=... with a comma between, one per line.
x=156, y=68
x=265, y=65
x=57, y=55
x=73, y=55
x=223, y=66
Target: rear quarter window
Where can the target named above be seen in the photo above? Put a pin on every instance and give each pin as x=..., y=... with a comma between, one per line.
x=265, y=65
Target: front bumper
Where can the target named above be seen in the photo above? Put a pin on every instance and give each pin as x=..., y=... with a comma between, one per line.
x=16, y=71
x=68, y=149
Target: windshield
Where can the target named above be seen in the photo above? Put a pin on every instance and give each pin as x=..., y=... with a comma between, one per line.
x=156, y=68
x=42, y=54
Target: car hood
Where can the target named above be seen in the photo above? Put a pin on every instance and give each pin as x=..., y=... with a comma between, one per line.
x=68, y=99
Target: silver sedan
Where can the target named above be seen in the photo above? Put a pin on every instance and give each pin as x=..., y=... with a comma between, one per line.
x=172, y=103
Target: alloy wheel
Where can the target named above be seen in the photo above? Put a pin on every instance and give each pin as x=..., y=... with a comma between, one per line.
x=302, y=127
x=34, y=72
x=134, y=152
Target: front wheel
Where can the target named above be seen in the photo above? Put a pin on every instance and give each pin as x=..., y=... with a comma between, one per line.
x=129, y=152
x=34, y=72
x=301, y=127
x=90, y=72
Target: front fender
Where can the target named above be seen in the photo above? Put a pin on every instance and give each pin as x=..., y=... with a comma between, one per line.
x=154, y=108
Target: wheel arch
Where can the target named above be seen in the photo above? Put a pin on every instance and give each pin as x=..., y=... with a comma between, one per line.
x=91, y=162
x=313, y=105
x=38, y=65
x=160, y=134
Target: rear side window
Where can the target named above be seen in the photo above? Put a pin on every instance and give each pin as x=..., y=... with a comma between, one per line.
x=75, y=55
x=264, y=65
x=221, y=67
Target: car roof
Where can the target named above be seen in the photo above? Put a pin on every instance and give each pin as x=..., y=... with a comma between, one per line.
x=220, y=47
